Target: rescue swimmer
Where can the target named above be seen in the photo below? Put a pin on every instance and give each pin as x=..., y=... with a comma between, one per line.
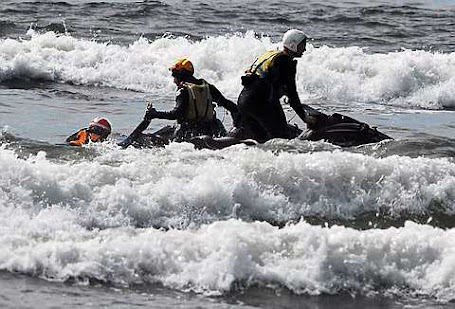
x=271, y=76
x=194, y=109
x=97, y=131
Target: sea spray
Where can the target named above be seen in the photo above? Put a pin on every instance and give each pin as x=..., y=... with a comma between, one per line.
x=407, y=79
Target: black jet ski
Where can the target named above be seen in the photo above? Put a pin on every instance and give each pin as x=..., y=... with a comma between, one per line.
x=341, y=130
x=164, y=136
x=337, y=129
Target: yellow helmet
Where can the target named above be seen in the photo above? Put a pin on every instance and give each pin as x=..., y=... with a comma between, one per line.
x=182, y=65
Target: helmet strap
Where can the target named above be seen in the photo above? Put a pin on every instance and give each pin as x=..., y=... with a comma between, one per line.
x=289, y=52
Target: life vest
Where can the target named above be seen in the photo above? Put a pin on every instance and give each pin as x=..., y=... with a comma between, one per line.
x=262, y=64
x=79, y=138
x=83, y=136
x=200, y=106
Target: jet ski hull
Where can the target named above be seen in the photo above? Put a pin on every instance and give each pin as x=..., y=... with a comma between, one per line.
x=337, y=129
x=343, y=131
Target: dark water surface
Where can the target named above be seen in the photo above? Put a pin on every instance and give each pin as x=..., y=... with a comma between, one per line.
x=382, y=26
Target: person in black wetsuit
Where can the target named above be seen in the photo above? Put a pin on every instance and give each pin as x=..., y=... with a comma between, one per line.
x=194, y=109
x=271, y=76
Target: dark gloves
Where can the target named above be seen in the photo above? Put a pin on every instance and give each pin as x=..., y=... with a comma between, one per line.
x=315, y=120
x=150, y=114
x=126, y=142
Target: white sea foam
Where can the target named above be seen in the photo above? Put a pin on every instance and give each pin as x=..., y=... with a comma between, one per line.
x=215, y=258
x=52, y=212
x=410, y=79
x=179, y=186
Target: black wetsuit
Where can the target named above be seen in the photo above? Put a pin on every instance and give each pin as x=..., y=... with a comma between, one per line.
x=262, y=116
x=188, y=128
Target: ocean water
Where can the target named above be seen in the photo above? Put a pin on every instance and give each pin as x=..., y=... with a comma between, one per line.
x=286, y=224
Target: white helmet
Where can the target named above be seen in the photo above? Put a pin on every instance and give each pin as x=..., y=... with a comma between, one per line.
x=101, y=126
x=292, y=38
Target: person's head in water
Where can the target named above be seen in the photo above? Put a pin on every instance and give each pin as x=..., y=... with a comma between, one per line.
x=182, y=70
x=294, y=43
x=99, y=129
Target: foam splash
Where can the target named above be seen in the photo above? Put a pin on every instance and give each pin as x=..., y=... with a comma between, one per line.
x=181, y=187
x=224, y=256
x=409, y=79
x=82, y=220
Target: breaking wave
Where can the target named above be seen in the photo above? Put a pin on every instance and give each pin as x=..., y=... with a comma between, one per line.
x=407, y=78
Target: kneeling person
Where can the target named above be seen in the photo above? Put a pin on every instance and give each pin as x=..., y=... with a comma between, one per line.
x=271, y=76
x=194, y=109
